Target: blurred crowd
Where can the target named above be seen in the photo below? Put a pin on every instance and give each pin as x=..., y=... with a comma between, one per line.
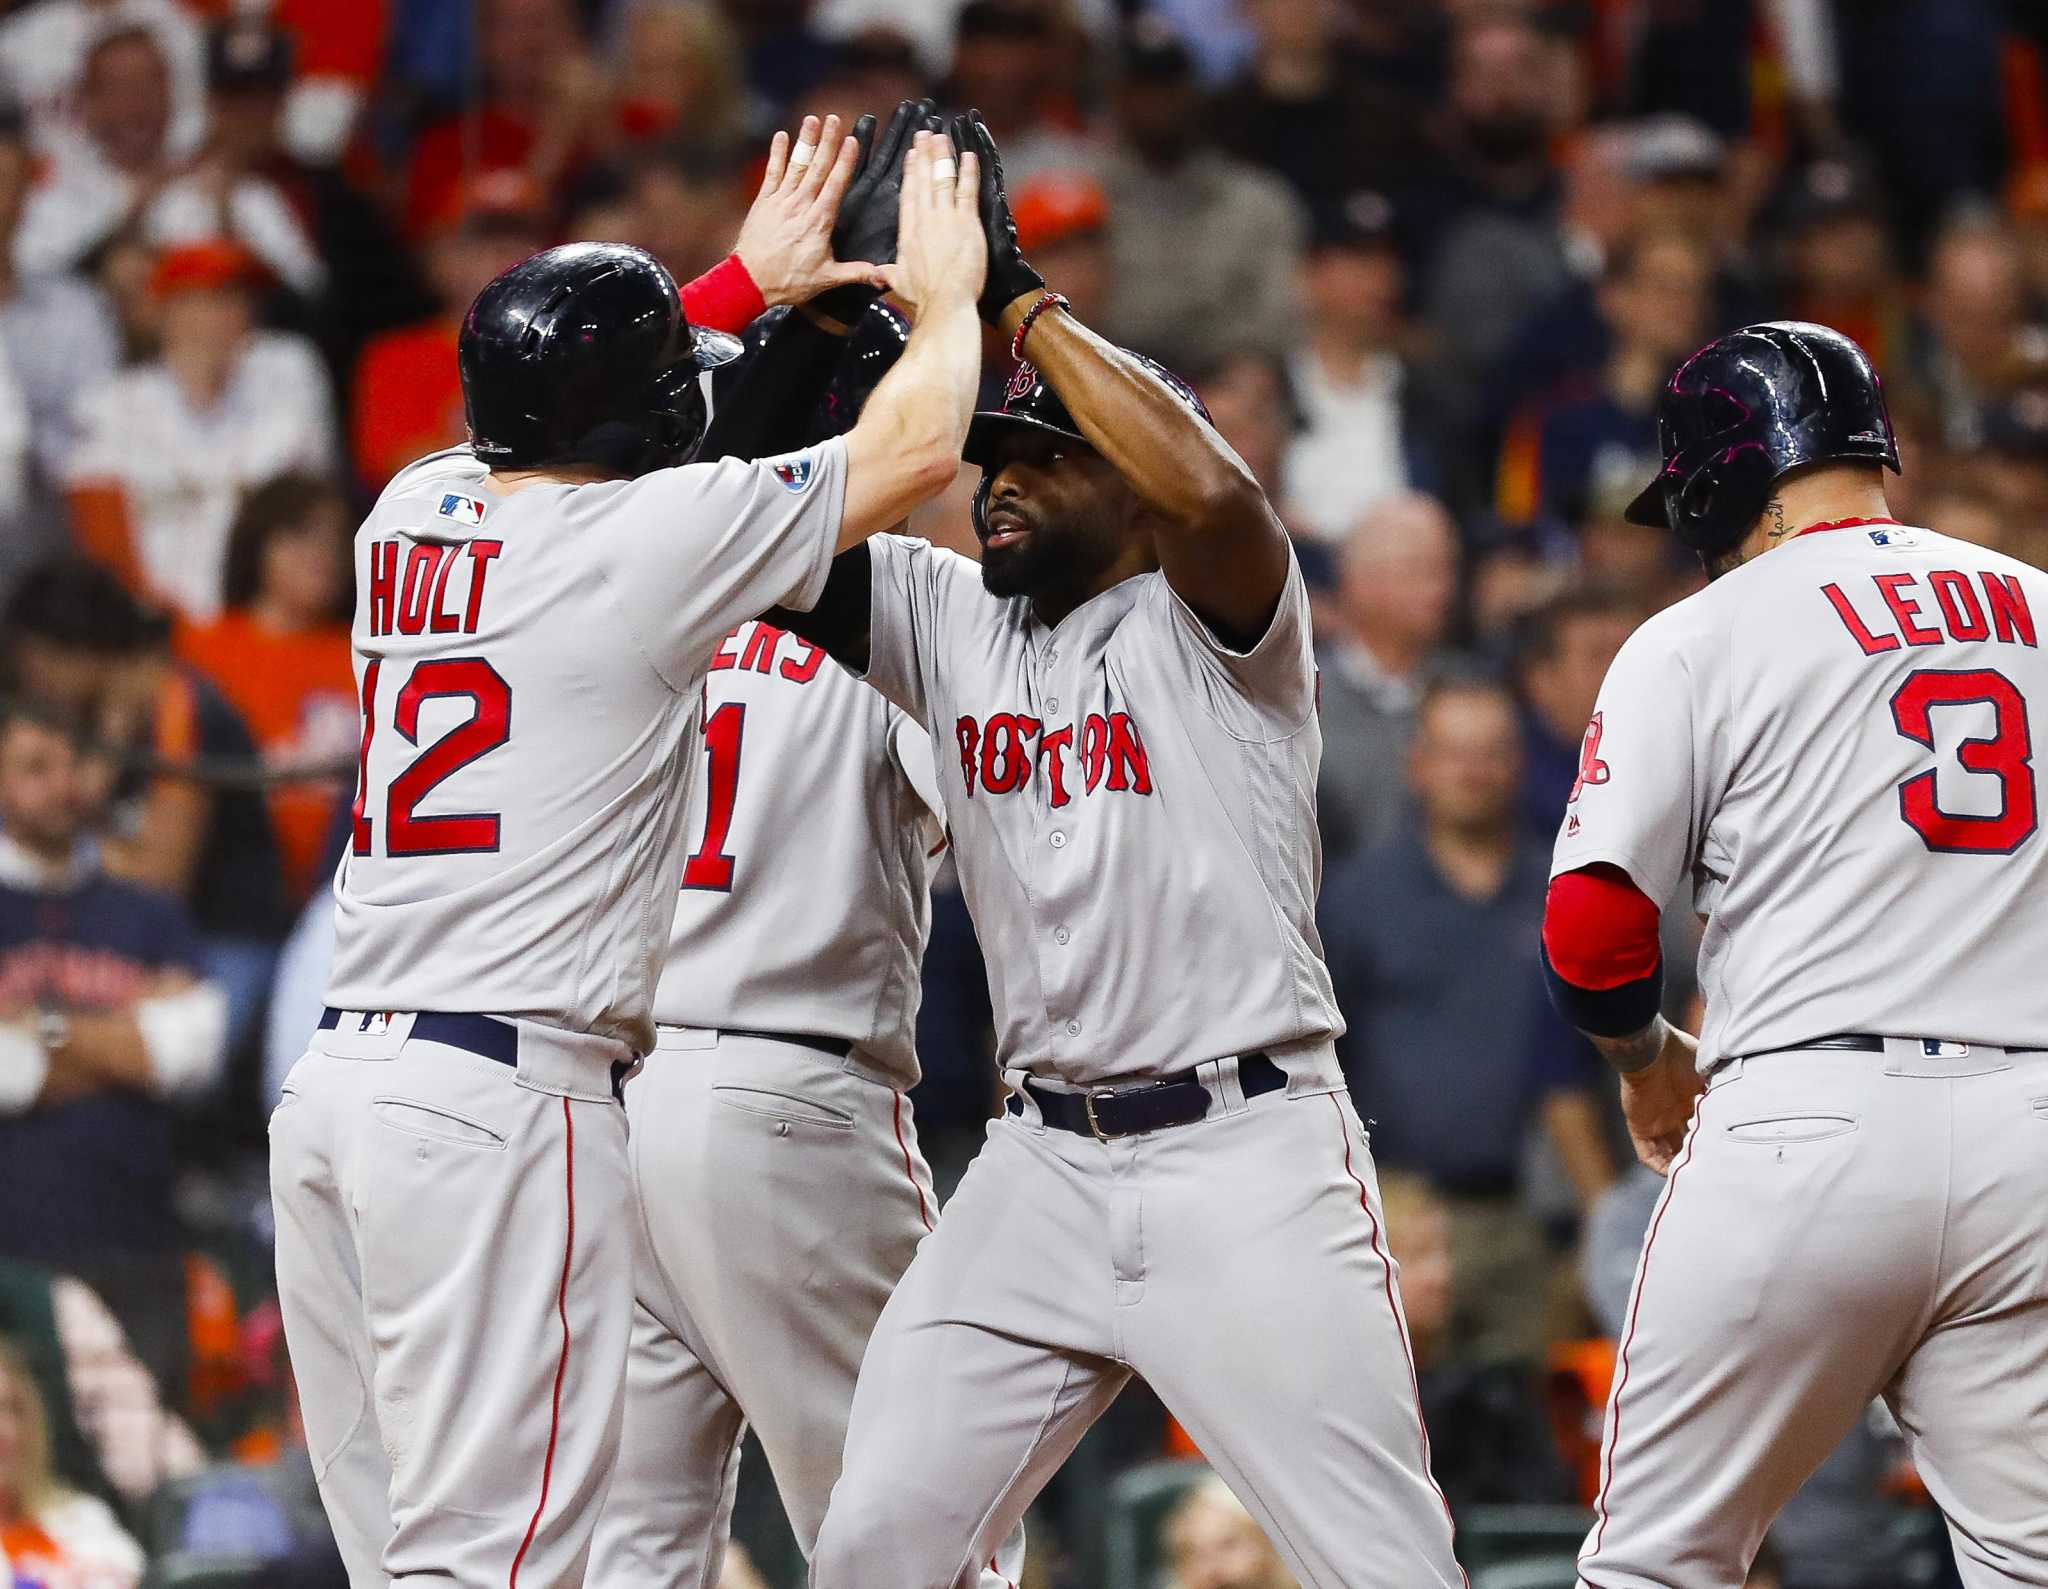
x=1427, y=261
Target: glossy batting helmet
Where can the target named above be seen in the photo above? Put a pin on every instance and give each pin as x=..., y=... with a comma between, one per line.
x=1747, y=408
x=876, y=343
x=1032, y=407
x=582, y=354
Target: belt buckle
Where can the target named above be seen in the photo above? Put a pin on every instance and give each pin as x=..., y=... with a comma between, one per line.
x=1094, y=1127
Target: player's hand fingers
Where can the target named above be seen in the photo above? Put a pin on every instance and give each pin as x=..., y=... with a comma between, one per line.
x=944, y=169
x=967, y=185
x=914, y=193
x=778, y=162
x=838, y=179
x=823, y=162
x=802, y=156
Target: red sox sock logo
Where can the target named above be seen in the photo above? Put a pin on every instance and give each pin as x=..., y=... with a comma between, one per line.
x=1592, y=770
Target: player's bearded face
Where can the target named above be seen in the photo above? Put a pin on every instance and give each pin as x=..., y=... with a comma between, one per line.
x=1051, y=524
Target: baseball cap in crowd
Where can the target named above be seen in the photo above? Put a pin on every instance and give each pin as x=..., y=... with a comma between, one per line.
x=1673, y=148
x=1151, y=51
x=247, y=53
x=1055, y=205
x=1822, y=191
x=1360, y=220
x=213, y=263
x=497, y=199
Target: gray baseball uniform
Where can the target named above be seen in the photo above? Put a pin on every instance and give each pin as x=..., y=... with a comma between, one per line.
x=781, y=1189
x=529, y=664
x=1833, y=745
x=1132, y=812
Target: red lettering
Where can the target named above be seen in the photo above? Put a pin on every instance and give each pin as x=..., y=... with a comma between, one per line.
x=1051, y=751
x=722, y=658
x=1872, y=644
x=1094, y=749
x=1905, y=609
x=442, y=622
x=383, y=584
x=1958, y=602
x=480, y=555
x=802, y=672
x=1128, y=766
x=968, y=733
x=760, y=652
x=1005, y=762
x=420, y=567
x=2011, y=619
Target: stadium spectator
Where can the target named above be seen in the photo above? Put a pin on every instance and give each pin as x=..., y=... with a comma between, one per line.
x=1367, y=430
x=1166, y=189
x=1585, y=452
x=1561, y=655
x=1396, y=600
x=57, y=336
x=1212, y=1542
x=545, y=104
x=50, y=1534
x=1841, y=270
x=183, y=814
x=109, y=1430
x=1975, y=343
x=1313, y=110
x=1063, y=227
x=407, y=398
x=1006, y=62
x=679, y=74
x=686, y=203
x=45, y=48
x=875, y=63
x=1245, y=391
x=1431, y=939
x=1490, y=1436
x=105, y=1023
x=280, y=653
x=167, y=448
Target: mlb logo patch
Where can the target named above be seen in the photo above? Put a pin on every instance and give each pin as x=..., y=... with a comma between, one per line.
x=462, y=509
x=794, y=473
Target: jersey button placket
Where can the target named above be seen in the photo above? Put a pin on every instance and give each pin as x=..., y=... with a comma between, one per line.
x=1057, y=839
x=1061, y=936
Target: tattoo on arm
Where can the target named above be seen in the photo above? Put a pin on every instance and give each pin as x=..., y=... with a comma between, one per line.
x=1637, y=1052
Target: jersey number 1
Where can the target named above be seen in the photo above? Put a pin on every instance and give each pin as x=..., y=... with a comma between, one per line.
x=710, y=867
x=488, y=726
x=2007, y=754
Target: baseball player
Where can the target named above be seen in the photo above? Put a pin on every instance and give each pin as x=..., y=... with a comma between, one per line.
x=781, y=1187
x=1125, y=697
x=536, y=616
x=1828, y=753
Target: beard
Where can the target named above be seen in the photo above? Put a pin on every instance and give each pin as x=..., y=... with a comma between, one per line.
x=1055, y=557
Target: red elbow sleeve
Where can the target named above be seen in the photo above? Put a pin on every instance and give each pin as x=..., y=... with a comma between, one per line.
x=724, y=298
x=1599, y=929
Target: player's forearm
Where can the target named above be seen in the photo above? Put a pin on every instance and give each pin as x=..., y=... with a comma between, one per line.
x=1157, y=443
x=906, y=447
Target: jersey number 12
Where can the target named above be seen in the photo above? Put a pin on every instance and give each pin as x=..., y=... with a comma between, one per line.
x=2006, y=753
x=488, y=726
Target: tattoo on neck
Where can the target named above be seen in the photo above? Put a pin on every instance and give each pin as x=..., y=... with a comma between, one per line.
x=1776, y=510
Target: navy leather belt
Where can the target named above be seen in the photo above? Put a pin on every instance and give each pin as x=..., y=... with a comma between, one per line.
x=1111, y=1112
x=483, y=1035
x=837, y=1047
x=1864, y=1043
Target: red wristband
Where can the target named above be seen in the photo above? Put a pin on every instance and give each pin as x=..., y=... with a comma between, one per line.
x=1045, y=302
x=724, y=298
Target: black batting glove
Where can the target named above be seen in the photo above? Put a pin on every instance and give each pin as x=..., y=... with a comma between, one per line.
x=866, y=228
x=1010, y=275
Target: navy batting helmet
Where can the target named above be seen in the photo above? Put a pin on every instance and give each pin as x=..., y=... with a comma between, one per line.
x=876, y=343
x=1032, y=407
x=582, y=354
x=1747, y=408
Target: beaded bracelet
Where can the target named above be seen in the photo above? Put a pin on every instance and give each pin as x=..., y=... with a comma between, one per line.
x=1045, y=302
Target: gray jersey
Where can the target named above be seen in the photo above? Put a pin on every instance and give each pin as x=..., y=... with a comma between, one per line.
x=1828, y=753
x=1132, y=807
x=529, y=665
x=806, y=892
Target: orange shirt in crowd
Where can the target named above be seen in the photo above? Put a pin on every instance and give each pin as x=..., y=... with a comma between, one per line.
x=408, y=398
x=297, y=693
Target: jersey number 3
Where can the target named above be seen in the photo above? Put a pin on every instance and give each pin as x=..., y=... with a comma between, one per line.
x=488, y=726
x=2006, y=754
x=710, y=867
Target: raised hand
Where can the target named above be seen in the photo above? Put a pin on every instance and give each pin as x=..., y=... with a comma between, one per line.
x=1010, y=275
x=940, y=251
x=786, y=240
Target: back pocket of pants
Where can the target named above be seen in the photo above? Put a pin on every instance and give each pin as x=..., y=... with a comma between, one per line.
x=1777, y=1131
x=783, y=1106
x=435, y=1123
